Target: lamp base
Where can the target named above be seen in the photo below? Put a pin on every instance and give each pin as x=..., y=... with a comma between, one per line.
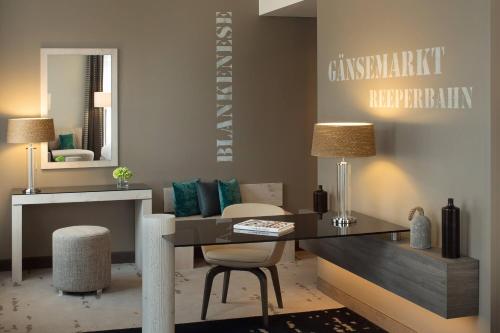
x=31, y=191
x=343, y=221
x=30, y=158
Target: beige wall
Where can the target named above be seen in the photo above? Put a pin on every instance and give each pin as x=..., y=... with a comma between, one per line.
x=424, y=156
x=167, y=116
x=495, y=167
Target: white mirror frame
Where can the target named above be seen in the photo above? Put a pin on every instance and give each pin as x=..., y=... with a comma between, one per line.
x=44, y=53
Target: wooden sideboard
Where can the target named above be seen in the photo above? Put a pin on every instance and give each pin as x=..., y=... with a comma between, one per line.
x=447, y=287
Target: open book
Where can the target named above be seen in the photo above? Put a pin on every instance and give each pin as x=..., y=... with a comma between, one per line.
x=271, y=228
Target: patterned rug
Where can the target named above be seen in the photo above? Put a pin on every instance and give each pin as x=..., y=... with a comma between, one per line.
x=340, y=320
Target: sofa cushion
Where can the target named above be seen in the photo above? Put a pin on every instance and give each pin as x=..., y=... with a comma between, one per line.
x=229, y=193
x=66, y=141
x=186, y=198
x=270, y=193
x=208, y=198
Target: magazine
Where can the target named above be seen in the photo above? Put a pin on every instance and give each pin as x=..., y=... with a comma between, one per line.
x=273, y=228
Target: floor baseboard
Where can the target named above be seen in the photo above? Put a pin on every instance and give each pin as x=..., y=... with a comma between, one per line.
x=365, y=310
x=46, y=262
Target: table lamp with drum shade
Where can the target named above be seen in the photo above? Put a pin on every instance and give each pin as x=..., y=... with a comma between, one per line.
x=343, y=140
x=30, y=131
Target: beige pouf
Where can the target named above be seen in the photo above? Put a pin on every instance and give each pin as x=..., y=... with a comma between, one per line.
x=81, y=259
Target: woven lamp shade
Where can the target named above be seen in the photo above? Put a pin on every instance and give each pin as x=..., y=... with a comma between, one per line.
x=343, y=140
x=30, y=130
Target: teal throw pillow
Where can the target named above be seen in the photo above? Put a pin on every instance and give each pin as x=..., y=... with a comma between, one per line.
x=229, y=193
x=186, y=198
x=66, y=141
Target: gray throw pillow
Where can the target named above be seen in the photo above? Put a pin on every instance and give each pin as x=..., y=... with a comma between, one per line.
x=208, y=198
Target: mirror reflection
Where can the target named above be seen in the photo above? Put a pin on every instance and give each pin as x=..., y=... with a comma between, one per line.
x=78, y=90
x=79, y=101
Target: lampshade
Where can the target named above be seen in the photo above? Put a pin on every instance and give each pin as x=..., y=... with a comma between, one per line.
x=343, y=140
x=102, y=99
x=30, y=130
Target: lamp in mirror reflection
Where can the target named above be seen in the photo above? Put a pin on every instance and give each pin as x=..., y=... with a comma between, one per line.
x=102, y=99
x=343, y=140
x=30, y=131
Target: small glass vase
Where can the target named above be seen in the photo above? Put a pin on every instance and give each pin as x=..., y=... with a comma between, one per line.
x=122, y=183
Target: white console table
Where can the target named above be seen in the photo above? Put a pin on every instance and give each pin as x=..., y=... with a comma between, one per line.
x=140, y=193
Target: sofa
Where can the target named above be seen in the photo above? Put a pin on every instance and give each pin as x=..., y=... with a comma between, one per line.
x=269, y=193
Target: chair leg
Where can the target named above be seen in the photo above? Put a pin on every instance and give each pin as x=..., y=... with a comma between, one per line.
x=263, y=294
x=276, y=283
x=209, y=279
x=225, y=286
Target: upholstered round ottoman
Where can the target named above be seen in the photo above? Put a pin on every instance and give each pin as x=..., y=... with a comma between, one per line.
x=81, y=259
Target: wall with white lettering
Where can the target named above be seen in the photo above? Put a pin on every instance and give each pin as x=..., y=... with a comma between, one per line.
x=224, y=83
x=419, y=70
x=402, y=64
x=168, y=121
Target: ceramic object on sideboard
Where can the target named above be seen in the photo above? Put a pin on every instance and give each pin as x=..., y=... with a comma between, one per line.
x=420, y=229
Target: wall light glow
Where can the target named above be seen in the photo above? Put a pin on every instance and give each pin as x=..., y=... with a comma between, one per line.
x=381, y=183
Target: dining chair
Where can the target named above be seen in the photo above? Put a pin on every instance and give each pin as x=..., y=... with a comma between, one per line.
x=245, y=257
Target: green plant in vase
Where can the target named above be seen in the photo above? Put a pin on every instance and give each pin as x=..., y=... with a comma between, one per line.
x=122, y=175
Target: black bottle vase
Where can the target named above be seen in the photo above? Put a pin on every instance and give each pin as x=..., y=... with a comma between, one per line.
x=320, y=200
x=450, y=225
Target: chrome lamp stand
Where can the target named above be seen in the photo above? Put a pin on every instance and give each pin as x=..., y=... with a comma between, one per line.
x=30, y=157
x=343, y=217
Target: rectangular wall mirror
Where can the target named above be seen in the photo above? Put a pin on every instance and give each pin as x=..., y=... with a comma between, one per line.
x=79, y=91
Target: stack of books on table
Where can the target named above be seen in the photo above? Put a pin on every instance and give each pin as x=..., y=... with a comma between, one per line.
x=264, y=227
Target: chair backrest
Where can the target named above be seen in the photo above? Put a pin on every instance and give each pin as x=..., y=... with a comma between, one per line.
x=249, y=210
x=252, y=210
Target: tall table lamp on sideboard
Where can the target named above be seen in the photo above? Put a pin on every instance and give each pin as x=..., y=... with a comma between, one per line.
x=343, y=140
x=30, y=131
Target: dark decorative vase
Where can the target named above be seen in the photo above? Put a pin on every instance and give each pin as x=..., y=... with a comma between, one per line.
x=450, y=231
x=320, y=200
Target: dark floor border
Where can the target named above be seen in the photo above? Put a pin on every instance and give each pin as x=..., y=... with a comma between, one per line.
x=310, y=321
x=46, y=262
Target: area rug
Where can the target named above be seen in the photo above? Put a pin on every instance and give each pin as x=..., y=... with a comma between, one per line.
x=340, y=320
